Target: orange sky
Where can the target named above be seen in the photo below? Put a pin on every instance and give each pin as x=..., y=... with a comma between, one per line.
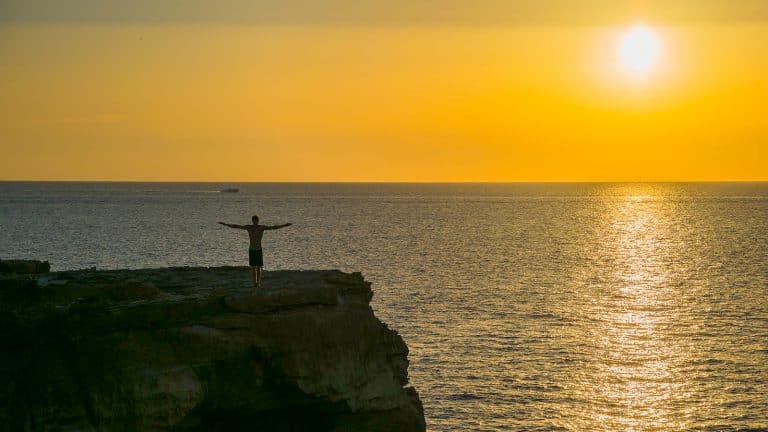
x=194, y=100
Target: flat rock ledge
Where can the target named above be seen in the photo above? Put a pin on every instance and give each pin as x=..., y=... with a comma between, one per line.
x=187, y=349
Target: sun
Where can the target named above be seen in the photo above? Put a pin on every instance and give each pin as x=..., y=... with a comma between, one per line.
x=639, y=50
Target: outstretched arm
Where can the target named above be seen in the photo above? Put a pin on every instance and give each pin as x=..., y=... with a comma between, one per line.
x=234, y=226
x=274, y=227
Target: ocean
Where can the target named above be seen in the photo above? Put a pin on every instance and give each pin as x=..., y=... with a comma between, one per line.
x=526, y=307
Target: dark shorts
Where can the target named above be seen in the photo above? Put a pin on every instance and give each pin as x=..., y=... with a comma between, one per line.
x=255, y=258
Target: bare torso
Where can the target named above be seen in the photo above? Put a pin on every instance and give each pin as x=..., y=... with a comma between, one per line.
x=255, y=233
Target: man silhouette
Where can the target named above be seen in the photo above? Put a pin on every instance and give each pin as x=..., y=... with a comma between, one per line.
x=255, y=256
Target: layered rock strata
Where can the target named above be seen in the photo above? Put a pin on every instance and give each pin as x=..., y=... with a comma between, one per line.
x=195, y=349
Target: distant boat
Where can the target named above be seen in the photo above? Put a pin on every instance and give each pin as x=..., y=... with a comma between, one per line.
x=230, y=190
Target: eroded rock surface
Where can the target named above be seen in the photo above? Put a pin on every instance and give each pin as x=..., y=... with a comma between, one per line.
x=195, y=349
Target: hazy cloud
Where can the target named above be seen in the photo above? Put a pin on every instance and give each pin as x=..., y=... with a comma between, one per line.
x=391, y=12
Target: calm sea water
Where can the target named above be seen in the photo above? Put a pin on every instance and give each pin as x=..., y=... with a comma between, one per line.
x=578, y=307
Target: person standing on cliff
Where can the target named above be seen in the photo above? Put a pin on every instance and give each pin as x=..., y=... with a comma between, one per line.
x=255, y=255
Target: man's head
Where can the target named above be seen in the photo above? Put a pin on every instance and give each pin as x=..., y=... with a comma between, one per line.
x=255, y=220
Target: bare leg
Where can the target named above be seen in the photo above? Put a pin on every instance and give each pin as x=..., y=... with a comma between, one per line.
x=258, y=277
x=255, y=278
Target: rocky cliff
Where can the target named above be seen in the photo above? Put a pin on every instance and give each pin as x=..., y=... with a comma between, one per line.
x=194, y=349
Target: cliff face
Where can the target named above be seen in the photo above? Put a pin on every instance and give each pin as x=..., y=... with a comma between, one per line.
x=190, y=349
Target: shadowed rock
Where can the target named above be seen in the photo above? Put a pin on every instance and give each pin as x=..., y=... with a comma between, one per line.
x=194, y=349
x=24, y=266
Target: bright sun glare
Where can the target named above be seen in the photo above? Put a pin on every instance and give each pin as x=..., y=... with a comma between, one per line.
x=639, y=50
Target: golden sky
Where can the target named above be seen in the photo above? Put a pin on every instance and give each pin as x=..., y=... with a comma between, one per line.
x=346, y=91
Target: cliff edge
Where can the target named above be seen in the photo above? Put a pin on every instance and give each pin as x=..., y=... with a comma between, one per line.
x=187, y=349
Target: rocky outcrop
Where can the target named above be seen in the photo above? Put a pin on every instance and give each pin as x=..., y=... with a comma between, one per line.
x=24, y=266
x=194, y=349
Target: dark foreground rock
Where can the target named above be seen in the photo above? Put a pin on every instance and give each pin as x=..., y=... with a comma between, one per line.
x=24, y=266
x=193, y=349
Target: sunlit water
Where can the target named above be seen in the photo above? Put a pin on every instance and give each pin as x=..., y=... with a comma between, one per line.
x=603, y=307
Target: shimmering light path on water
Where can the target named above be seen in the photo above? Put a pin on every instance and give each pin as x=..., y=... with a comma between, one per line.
x=607, y=307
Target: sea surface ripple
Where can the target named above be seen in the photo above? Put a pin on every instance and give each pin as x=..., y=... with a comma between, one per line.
x=526, y=307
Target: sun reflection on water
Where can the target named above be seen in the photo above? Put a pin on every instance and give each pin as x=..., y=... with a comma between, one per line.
x=630, y=376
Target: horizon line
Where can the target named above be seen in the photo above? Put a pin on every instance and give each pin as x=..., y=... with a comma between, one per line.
x=387, y=182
